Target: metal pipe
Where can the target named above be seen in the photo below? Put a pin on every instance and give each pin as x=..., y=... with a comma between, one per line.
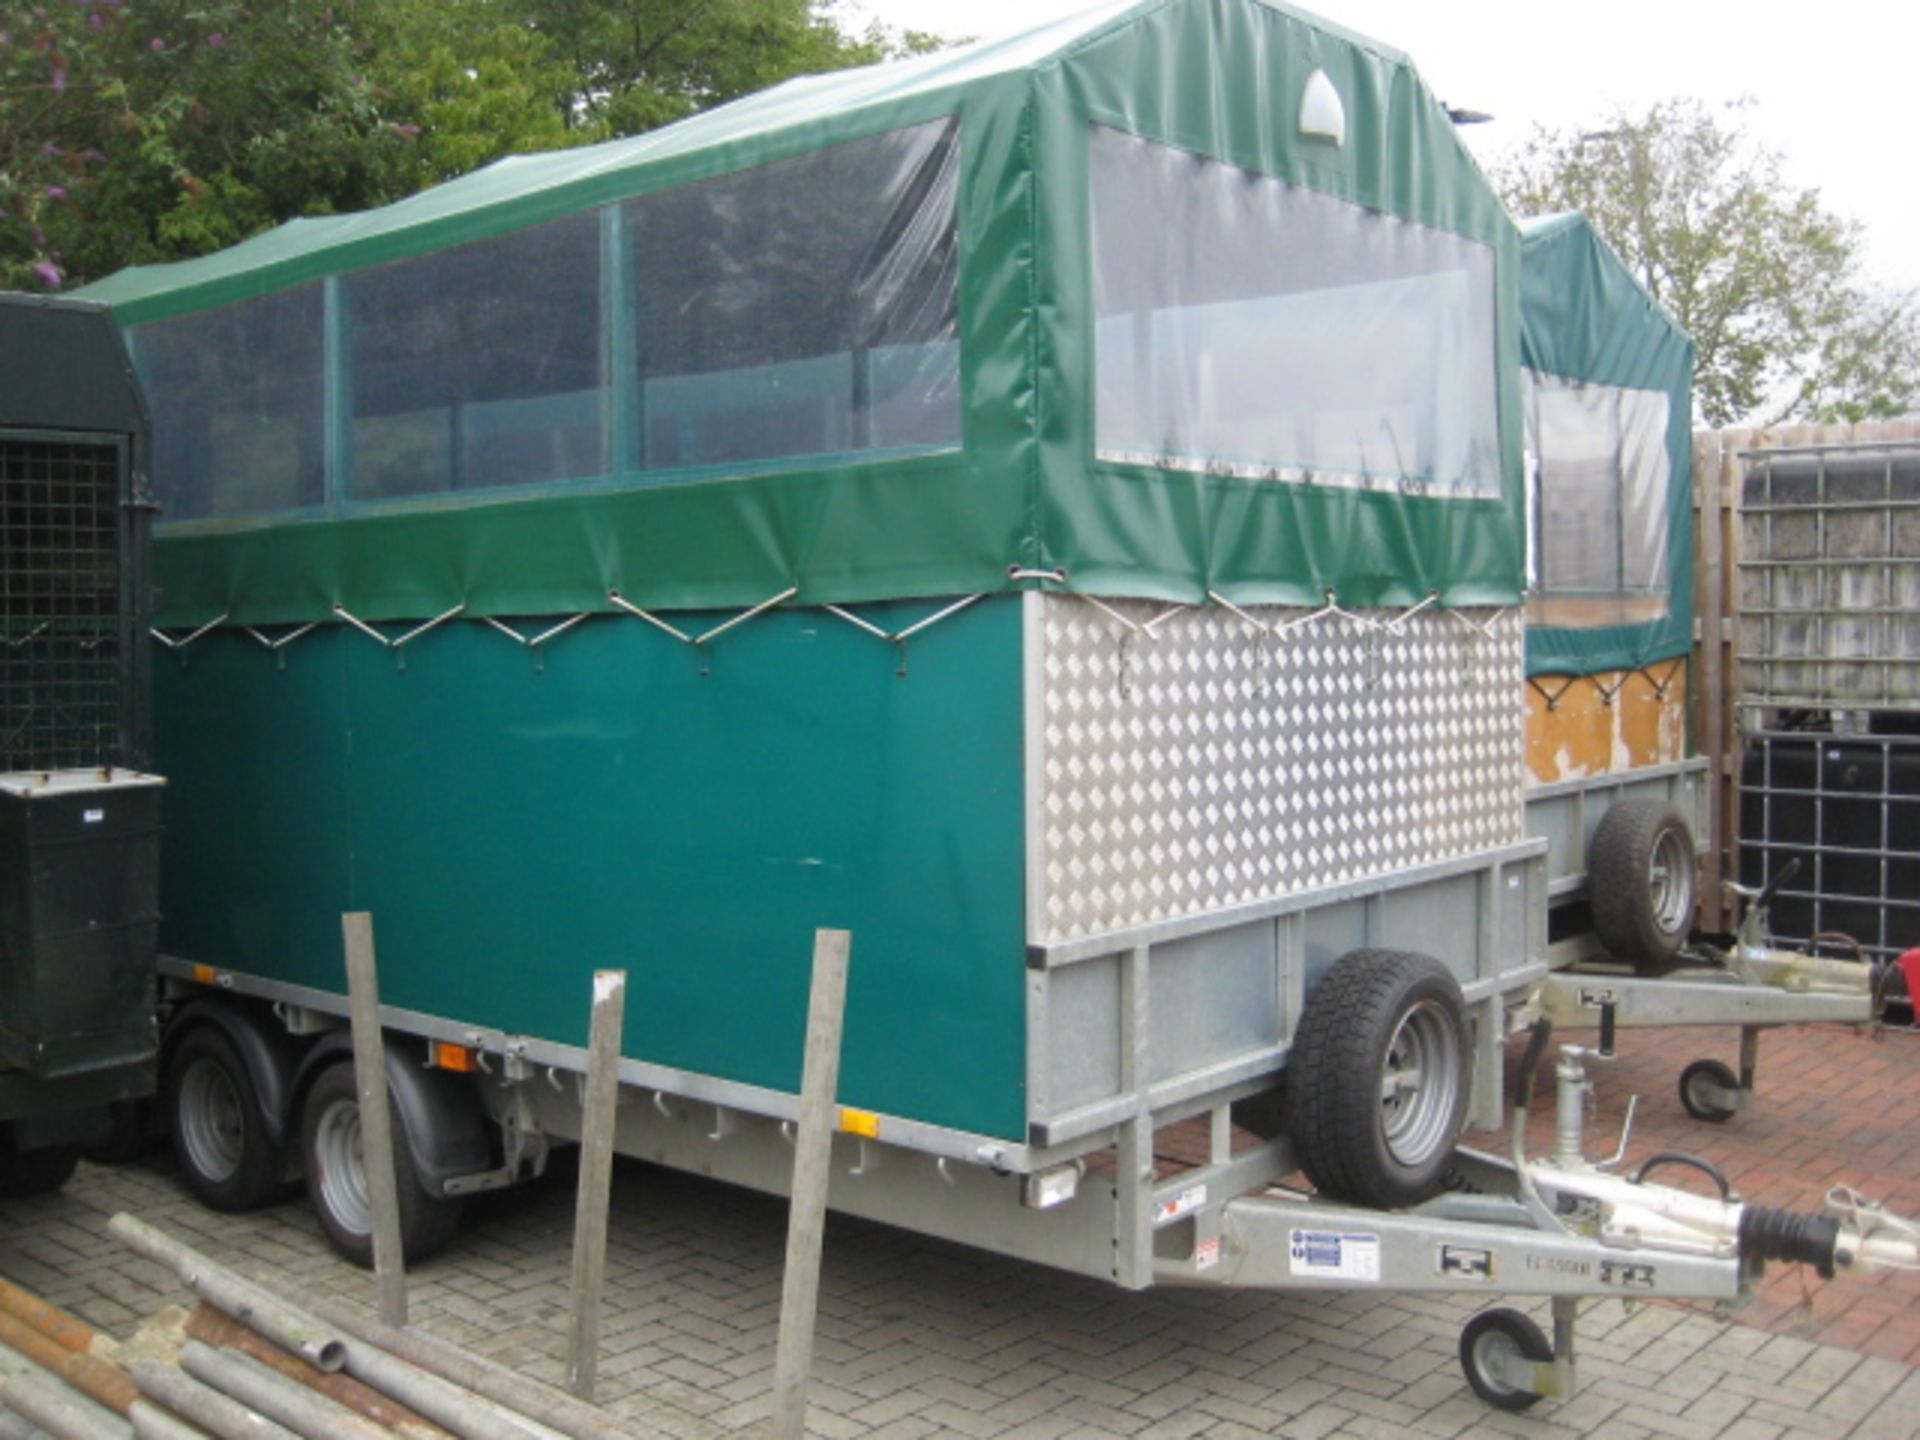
x=56, y=1325
x=17, y=1427
x=59, y=1411
x=466, y=1414
x=242, y=1299
x=223, y=1332
x=289, y=1406
x=220, y=1415
x=152, y=1423
x=93, y=1377
x=15, y=1366
x=504, y=1387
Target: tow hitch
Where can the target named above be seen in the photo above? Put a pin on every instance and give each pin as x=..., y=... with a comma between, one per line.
x=1560, y=1226
x=1511, y=1363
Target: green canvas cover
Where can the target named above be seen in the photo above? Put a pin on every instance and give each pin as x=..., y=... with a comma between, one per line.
x=1586, y=320
x=1124, y=407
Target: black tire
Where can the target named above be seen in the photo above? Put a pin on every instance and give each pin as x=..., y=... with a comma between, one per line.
x=1693, y=1082
x=1641, y=881
x=1376, y=1015
x=1501, y=1333
x=130, y=1134
x=336, y=1178
x=33, y=1172
x=226, y=1153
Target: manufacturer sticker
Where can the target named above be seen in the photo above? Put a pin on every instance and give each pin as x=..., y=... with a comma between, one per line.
x=92, y=817
x=1334, y=1255
x=1593, y=999
x=1626, y=1275
x=1185, y=1203
x=1206, y=1254
x=1463, y=1263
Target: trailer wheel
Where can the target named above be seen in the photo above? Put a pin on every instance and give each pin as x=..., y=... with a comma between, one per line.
x=33, y=1172
x=220, y=1138
x=1640, y=881
x=336, y=1174
x=1491, y=1342
x=1696, y=1083
x=130, y=1134
x=1377, y=1082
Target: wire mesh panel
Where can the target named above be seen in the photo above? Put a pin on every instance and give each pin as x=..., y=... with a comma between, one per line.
x=60, y=602
x=1830, y=578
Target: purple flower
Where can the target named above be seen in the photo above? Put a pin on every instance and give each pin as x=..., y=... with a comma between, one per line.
x=217, y=40
x=51, y=150
x=49, y=274
x=56, y=192
x=59, y=79
x=156, y=44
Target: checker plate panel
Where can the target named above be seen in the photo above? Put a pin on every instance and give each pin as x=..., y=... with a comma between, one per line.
x=1207, y=765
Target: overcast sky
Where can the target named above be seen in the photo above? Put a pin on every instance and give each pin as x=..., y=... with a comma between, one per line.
x=1833, y=85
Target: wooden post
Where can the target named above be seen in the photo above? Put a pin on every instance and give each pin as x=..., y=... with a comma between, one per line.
x=812, y=1167
x=596, y=1179
x=376, y=1120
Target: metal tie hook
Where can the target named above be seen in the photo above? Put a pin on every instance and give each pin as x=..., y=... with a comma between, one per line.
x=41, y=629
x=700, y=642
x=397, y=643
x=284, y=640
x=532, y=643
x=181, y=644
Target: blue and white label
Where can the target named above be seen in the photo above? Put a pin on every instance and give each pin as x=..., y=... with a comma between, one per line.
x=1334, y=1255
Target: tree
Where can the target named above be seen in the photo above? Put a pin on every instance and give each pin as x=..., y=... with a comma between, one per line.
x=639, y=64
x=134, y=131
x=166, y=128
x=470, y=82
x=1769, y=283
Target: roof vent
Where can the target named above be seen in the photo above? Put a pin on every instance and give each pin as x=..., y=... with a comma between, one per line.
x=1322, y=116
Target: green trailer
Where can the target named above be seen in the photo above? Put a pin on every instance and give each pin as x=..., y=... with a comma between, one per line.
x=1051, y=508
x=1607, y=389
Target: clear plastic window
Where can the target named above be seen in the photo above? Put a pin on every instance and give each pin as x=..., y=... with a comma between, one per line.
x=807, y=307
x=236, y=400
x=479, y=366
x=1599, y=481
x=1250, y=326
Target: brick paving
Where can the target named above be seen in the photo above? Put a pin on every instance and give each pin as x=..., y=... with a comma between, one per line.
x=921, y=1340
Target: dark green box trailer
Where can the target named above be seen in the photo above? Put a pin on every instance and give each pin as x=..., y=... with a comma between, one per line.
x=79, y=821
